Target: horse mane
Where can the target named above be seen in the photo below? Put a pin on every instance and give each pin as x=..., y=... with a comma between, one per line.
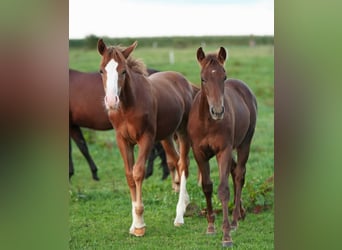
x=137, y=65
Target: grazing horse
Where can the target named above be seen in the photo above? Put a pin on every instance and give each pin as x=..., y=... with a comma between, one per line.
x=86, y=109
x=144, y=109
x=222, y=119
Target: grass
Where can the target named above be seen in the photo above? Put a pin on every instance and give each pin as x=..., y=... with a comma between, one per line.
x=100, y=212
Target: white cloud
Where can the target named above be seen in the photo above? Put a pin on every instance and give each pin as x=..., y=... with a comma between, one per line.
x=117, y=18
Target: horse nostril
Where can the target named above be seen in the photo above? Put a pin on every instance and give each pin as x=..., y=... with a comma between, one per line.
x=222, y=110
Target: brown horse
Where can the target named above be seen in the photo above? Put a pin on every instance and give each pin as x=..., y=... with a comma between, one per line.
x=86, y=109
x=222, y=118
x=144, y=109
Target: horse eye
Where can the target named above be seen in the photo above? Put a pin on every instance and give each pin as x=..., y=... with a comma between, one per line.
x=101, y=72
x=202, y=80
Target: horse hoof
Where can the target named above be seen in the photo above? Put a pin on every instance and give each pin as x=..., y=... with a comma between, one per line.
x=211, y=233
x=178, y=224
x=138, y=232
x=227, y=243
x=211, y=230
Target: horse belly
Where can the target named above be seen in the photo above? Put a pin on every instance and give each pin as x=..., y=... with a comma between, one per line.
x=168, y=121
x=169, y=116
x=242, y=122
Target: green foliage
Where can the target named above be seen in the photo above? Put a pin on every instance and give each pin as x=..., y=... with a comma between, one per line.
x=90, y=42
x=100, y=212
x=260, y=194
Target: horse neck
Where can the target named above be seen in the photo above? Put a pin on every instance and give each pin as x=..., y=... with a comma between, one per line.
x=129, y=92
x=203, y=106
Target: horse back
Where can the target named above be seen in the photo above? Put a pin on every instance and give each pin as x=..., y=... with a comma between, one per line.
x=174, y=95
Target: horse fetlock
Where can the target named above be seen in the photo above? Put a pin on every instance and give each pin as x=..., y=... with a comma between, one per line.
x=234, y=225
x=211, y=229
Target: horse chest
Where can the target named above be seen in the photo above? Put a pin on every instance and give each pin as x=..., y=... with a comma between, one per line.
x=130, y=126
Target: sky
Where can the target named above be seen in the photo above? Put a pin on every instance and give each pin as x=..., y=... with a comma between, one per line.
x=154, y=18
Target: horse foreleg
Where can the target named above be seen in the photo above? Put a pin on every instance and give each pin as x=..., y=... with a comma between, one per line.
x=207, y=188
x=126, y=150
x=224, y=160
x=145, y=145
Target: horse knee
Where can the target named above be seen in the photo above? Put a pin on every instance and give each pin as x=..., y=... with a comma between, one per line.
x=223, y=192
x=138, y=173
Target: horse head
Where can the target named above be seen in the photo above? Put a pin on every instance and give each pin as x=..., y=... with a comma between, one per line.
x=113, y=71
x=213, y=76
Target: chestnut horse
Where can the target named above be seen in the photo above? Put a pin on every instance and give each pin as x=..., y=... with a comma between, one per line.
x=86, y=109
x=222, y=119
x=144, y=109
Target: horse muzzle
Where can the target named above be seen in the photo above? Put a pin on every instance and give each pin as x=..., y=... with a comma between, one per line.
x=112, y=102
x=217, y=113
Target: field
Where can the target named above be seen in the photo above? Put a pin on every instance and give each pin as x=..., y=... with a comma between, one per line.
x=100, y=212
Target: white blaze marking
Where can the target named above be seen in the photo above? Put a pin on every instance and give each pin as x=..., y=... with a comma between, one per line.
x=112, y=95
x=183, y=201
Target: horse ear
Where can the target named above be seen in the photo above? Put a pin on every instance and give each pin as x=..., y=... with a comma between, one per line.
x=200, y=54
x=129, y=49
x=222, y=55
x=101, y=46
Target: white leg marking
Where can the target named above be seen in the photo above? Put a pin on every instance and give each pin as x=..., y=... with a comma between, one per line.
x=183, y=201
x=134, y=219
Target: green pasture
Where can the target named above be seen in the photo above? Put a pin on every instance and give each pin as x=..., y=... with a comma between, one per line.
x=100, y=212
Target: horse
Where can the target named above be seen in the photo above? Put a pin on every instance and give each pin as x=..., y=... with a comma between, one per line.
x=222, y=120
x=144, y=109
x=86, y=109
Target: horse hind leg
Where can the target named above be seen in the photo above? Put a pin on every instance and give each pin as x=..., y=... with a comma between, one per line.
x=162, y=156
x=183, y=163
x=238, y=175
x=151, y=158
x=172, y=158
x=77, y=135
x=71, y=165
